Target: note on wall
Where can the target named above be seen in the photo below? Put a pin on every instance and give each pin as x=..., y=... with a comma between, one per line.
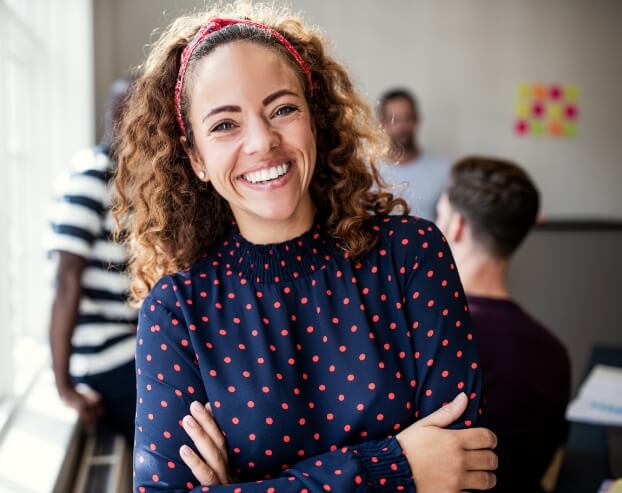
x=546, y=110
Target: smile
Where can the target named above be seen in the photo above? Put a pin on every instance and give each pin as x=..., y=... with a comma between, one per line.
x=267, y=174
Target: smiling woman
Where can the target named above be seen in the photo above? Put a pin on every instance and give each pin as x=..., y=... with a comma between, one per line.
x=178, y=215
x=318, y=334
x=259, y=144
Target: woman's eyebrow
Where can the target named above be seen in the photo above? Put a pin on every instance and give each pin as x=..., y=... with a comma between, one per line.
x=222, y=109
x=275, y=95
x=229, y=108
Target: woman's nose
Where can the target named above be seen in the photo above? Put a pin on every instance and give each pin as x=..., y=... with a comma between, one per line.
x=260, y=137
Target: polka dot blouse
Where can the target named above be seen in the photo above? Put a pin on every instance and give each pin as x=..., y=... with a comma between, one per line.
x=311, y=361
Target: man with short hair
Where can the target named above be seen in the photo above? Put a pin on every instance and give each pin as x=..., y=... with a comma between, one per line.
x=417, y=176
x=487, y=210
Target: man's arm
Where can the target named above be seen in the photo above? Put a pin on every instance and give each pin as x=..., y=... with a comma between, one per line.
x=63, y=320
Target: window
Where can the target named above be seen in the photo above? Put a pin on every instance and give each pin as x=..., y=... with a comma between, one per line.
x=46, y=99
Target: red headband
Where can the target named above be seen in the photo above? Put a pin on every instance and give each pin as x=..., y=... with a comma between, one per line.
x=216, y=25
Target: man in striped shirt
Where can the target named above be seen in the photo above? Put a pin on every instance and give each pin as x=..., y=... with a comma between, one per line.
x=92, y=327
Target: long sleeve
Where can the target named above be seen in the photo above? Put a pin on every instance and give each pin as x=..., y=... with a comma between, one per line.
x=169, y=379
x=443, y=336
x=311, y=361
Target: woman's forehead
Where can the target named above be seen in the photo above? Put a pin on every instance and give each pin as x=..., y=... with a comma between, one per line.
x=243, y=69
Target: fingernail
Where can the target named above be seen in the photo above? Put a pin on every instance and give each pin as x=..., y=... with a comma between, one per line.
x=458, y=398
x=185, y=451
x=196, y=407
x=189, y=421
x=208, y=406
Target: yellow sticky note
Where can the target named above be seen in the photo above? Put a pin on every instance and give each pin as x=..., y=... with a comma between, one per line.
x=521, y=109
x=571, y=93
x=554, y=111
x=522, y=90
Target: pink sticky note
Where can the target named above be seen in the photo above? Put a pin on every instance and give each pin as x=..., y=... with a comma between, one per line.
x=555, y=92
x=537, y=109
x=521, y=127
x=571, y=111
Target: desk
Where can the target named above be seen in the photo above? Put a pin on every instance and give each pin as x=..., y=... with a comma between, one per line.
x=586, y=462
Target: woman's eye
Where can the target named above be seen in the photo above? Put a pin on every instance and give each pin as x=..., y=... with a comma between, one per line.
x=285, y=110
x=224, y=126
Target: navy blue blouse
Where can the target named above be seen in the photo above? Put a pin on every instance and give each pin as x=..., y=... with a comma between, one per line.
x=311, y=361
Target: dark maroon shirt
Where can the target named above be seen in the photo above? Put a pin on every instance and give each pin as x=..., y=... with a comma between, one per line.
x=526, y=374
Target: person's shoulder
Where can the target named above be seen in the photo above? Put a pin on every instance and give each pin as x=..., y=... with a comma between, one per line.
x=433, y=158
x=93, y=161
x=407, y=233
x=173, y=290
x=520, y=322
x=434, y=161
x=89, y=174
x=545, y=336
x=393, y=224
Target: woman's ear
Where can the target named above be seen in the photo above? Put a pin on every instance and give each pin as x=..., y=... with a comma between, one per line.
x=195, y=160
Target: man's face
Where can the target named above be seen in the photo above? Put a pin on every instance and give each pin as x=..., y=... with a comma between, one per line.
x=400, y=122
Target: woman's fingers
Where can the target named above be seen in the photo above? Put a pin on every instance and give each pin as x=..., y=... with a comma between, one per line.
x=206, y=447
x=481, y=460
x=204, y=474
x=476, y=438
x=446, y=415
x=479, y=480
x=205, y=417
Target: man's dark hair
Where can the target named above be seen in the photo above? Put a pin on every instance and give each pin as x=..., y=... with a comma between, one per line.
x=498, y=200
x=397, y=93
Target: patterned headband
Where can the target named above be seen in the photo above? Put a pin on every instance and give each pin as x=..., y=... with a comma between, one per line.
x=216, y=25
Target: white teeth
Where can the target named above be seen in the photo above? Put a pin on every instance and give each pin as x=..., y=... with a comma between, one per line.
x=267, y=173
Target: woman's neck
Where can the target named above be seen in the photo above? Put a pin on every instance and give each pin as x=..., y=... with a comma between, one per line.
x=263, y=231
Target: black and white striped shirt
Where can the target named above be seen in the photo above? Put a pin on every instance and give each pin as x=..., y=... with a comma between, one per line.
x=81, y=224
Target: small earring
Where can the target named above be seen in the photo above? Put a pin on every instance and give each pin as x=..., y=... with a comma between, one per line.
x=202, y=175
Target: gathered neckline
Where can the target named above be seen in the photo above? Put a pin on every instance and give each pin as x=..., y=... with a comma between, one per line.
x=284, y=261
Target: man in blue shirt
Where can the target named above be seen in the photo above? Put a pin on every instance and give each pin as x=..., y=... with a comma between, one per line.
x=416, y=176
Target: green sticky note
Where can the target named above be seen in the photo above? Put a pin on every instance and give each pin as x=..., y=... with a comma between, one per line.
x=523, y=90
x=521, y=109
x=571, y=93
x=570, y=130
x=554, y=111
x=537, y=128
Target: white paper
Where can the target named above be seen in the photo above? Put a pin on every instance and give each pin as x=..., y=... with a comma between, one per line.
x=599, y=400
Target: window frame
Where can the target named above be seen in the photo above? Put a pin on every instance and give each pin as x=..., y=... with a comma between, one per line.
x=47, y=93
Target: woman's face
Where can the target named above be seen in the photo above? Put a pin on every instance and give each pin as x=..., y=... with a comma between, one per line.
x=254, y=138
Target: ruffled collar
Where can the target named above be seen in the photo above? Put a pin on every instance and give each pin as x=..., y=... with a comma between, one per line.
x=286, y=261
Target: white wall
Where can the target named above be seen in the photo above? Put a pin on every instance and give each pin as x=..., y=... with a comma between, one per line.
x=464, y=59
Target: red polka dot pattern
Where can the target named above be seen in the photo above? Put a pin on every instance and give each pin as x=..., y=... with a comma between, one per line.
x=302, y=350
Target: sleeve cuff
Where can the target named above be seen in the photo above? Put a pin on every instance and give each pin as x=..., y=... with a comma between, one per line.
x=385, y=465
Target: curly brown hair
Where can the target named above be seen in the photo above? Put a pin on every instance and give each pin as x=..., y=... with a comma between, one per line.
x=171, y=217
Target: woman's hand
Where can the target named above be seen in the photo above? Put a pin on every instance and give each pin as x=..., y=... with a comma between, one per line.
x=212, y=466
x=449, y=461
